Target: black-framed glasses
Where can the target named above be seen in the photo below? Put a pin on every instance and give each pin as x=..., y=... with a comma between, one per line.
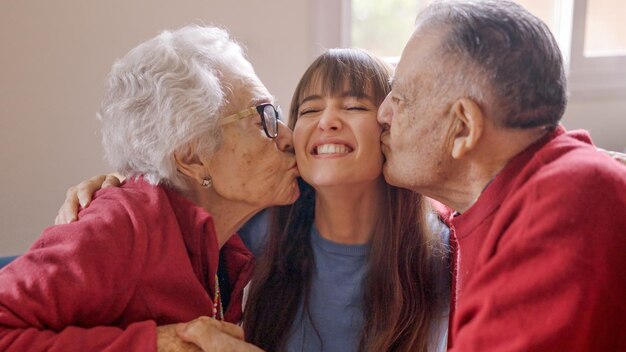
x=269, y=118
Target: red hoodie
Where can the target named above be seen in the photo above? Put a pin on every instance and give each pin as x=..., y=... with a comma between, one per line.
x=140, y=256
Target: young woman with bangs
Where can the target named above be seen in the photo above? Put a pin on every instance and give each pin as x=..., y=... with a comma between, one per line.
x=354, y=263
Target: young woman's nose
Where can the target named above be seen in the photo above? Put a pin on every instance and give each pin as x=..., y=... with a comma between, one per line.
x=284, y=139
x=330, y=121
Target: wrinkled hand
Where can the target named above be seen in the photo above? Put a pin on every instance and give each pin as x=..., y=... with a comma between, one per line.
x=214, y=335
x=168, y=340
x=81, y=195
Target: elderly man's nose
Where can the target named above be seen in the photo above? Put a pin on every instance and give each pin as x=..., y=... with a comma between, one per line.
x=384, y=112
x=284, y=139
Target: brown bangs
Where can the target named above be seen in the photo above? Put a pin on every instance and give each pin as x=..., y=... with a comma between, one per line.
x=341, y=71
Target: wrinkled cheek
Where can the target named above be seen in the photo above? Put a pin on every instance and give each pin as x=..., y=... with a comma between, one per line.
x=249, y=164
x=267, y=179
x=392, y=142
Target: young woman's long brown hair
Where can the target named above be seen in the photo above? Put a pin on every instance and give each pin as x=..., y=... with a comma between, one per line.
x=401, y=293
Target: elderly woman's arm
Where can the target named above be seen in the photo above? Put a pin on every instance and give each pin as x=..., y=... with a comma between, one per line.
x=61, y=293
x=70, y=289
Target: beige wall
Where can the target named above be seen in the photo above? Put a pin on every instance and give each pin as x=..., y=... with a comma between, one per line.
x=603, y=117
x=54, y=57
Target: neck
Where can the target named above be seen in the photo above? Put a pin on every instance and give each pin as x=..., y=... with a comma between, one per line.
x=348, y=213
x=474, y=172
x=228, y=216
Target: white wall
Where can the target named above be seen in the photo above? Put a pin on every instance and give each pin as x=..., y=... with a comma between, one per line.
x=54, y=57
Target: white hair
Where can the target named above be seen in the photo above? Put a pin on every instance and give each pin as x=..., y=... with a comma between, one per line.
x=166, y=95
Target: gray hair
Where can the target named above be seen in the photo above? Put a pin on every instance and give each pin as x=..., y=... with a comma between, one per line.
x=503, y=52
x=165, y=95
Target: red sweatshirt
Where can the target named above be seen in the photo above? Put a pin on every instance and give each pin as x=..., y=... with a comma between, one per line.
x=140, y=256
x=542, y=254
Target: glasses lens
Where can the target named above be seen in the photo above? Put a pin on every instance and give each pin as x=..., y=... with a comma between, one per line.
x=271, y=120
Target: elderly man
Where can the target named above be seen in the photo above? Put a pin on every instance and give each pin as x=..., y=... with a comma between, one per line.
x=539, y=215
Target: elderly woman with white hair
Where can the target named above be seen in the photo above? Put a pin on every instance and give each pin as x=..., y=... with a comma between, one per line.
x=190, y=125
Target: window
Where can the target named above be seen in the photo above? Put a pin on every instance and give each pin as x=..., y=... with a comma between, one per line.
x=605, y=34
x=597, y=56
x=590, y=34
x=383, y=27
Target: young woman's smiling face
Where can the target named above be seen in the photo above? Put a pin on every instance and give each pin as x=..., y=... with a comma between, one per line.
x=337, y=139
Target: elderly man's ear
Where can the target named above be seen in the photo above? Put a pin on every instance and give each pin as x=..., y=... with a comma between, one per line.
x=467, y=127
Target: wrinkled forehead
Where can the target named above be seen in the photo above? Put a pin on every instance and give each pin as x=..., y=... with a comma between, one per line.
x=422, y=54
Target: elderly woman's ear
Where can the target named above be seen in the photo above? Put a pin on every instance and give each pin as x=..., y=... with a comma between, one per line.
x=192, y=165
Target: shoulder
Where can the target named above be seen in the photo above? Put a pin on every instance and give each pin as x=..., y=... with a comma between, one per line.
x=567, y=190
x=568, y=167
x=133, y=197
x=582, y=171
x=117, y=221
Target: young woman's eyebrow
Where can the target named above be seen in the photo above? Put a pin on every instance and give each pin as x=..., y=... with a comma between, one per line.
x=310, y=97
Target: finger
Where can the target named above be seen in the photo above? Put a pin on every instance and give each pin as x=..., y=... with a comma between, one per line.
x=168, y=340
x=111, y=181
x=86, y=189
x=196, y=325
x=209, y=336
x=64, y=217
x=69, y=209
x=233, y=330
x=206, y=322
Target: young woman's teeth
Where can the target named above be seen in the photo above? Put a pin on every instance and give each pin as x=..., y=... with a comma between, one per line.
x=332, y=149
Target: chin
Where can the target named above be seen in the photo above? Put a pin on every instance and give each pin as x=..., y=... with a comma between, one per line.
x=291, y=197
x=390, y=176
x=294, y=195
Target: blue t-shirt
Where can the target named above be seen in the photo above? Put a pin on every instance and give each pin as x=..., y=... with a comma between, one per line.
x=335, y=318
x=335, y=299
x=254, y=233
